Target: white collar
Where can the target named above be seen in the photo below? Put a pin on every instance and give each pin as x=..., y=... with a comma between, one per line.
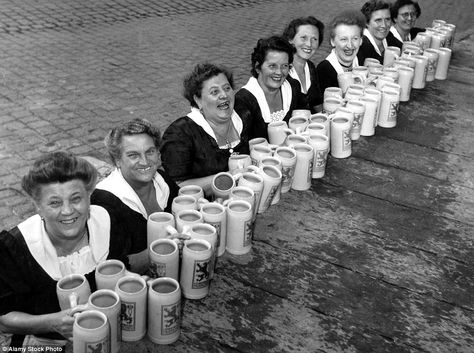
x=332, y=58
x=397, y=35
x=43, y=251
x=372, y=41
x=254, y=87
x=117, y=185
x=294, y=74
x=196, y=116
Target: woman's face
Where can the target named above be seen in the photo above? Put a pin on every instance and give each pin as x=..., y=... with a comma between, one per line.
x=139, y=159
x=64, y=208
x=273, y=70
x=406, y=17
x=379, y=24
x=217, y=98
x=306, y=41
x=346, y=42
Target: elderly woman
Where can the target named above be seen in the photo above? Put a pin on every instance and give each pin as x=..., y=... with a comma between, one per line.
x=306, y=35
x=374, y=42
x=268, y=94
x=68, y=235
x=404, y=14
x=137, y=180
x=197, y=146
x=345, y=31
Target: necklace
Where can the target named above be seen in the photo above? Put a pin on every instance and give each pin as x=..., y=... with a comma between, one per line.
x=225, y=137
x=346, y=67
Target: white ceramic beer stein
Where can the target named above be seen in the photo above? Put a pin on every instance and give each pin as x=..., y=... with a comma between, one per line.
x=72, y=290
x=164, y=311
x=108, y=302
x=320, y=144
x=164, y=258
x=239, y=227
x=159, y=226
x=370, y=116
x=277, y=132
x=214, y=213
x=238, y=162
x=194, y=278
x=304, y=167
x=389, y=108
x=206, y=232
x=132, y=291
x=340, y=137
x=183, y=202
x=91, y=332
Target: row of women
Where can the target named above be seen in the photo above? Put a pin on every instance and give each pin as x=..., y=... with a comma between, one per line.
x=80, y=224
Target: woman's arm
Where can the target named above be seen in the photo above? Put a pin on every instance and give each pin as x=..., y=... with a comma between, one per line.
x=22, y=323
x=204, y=183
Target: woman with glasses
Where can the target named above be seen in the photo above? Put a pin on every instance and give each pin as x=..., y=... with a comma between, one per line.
x=270, y=95
x=404, y=14
x=374, y=42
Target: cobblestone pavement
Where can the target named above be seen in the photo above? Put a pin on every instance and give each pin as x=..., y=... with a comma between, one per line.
x=69, y=70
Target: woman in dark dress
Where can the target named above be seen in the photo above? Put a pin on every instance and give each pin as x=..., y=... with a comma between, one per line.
x=374, y=42
x=68, y=235
x=198, y=145
x=345, y=31
x=306, y=35
x=404, y=14
x=137, y=179
x=270, y=95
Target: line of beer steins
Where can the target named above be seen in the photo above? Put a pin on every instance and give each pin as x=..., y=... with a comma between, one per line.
x=125, y=307
x=182, y=249
x=369, y=96
x=183, y=246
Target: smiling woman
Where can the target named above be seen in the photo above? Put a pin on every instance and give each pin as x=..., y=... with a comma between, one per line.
x=197, y=146
x=404, y=14
x=306, y=35
x=268, y=94
x=345, y=31
x=137, y=180
x=70, y=234
x=374, y=42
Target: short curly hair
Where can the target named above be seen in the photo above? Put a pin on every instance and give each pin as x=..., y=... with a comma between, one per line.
x=273, y=43
x=292, y=28
x=113, y=140
x=58, y=167
x=193, y=82
x=348, y=18
x=373, y=5
x=398, y=4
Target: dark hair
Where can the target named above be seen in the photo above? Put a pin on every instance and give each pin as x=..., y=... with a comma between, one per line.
x=348, y=18
x=273, y=43
x=373, y=5
x=398, y=4
x=292, y=28
x=192, y=84
x=58, y=167
x=113, y=140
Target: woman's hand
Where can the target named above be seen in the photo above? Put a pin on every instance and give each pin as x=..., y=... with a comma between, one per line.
x=62, y=322
x=17, y=322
